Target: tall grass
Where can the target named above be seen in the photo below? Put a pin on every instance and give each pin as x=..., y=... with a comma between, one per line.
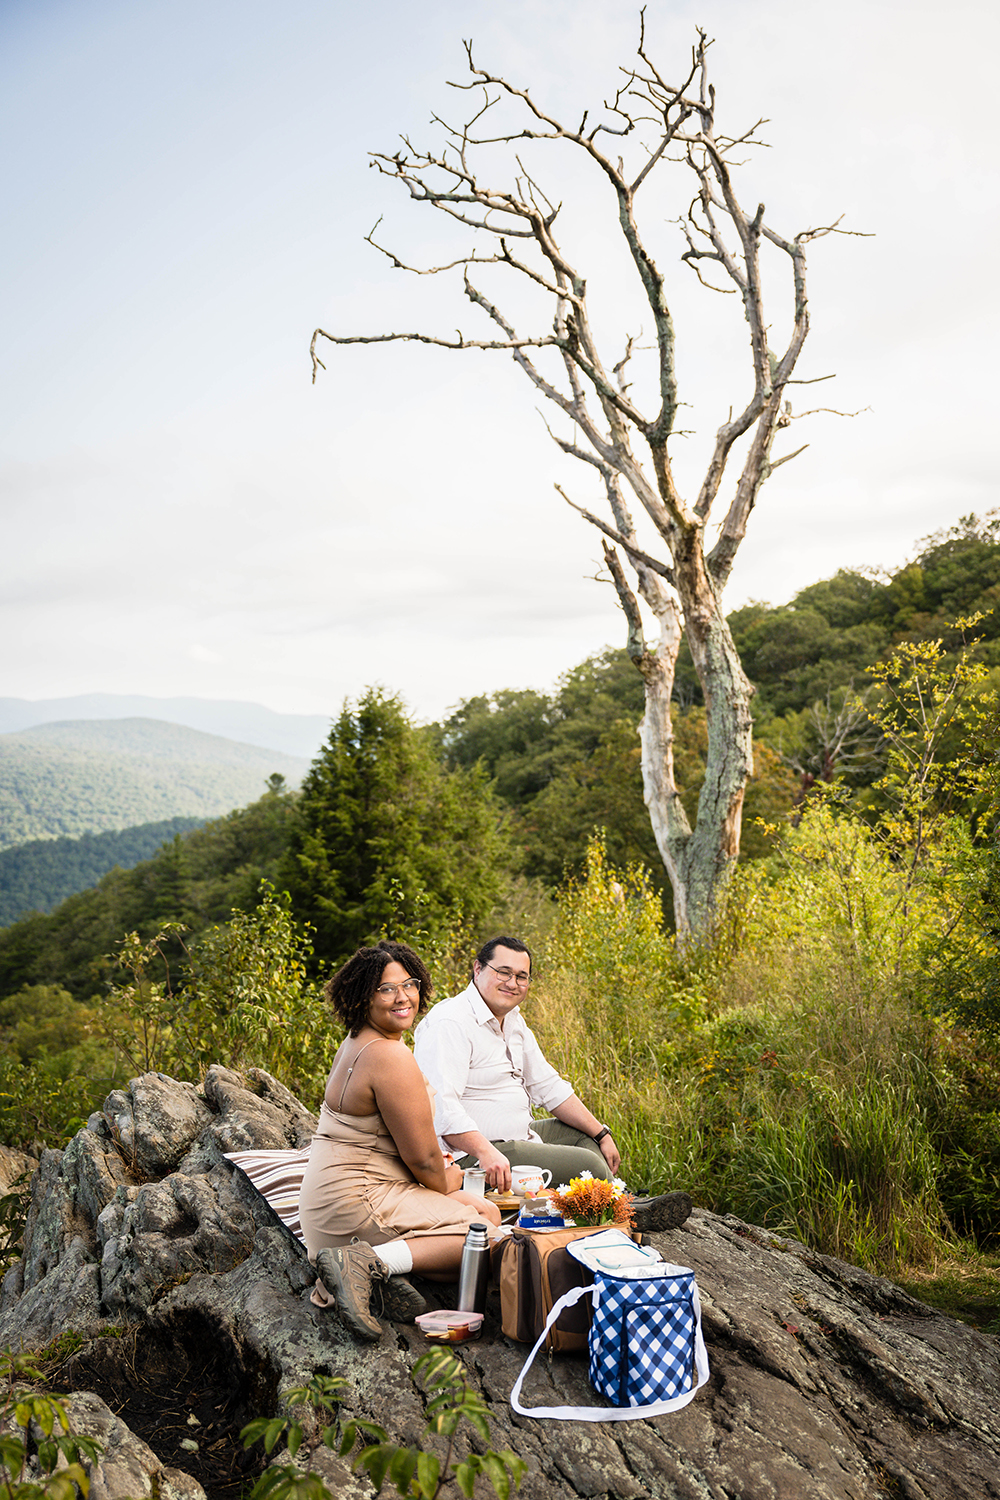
x=790, y=1078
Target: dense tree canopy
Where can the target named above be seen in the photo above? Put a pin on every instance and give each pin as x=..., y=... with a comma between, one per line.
x=569, y=763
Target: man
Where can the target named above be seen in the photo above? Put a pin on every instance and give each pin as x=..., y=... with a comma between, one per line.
x=488, y=1070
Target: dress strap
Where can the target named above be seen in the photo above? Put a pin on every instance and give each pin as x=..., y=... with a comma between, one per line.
x=350, y=1070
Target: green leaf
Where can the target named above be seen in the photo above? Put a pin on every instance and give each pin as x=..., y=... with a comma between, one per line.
x=497, y=1475
x=376, y=1460
x=373, y=1429
x=90, y=1448
x=465, y=1478
x=439, y=1365
x=44, y=1414
x=516, y=1465
x=348, y=1438
x=294, y=1440
x=401, y=1467
x=12, y=1455
x=274, y=1484
x=64, y=1484
x=254, y=1430
x=428, y=1474
x=480, y=1423
x=273, y=1432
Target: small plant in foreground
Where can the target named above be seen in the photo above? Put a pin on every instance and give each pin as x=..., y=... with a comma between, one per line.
x=29, y=1463
x=413, y=1471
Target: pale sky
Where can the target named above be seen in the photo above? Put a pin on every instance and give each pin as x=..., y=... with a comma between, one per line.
x=186, y=193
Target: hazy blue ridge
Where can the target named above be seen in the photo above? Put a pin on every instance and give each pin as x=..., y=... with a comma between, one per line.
x=39, y=875
x=93, y=776
x=247, y=723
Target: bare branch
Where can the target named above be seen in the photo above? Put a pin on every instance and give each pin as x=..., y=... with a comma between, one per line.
x=636, y=643
x=634, y=552
x=775, y=463
x=463, y=260
x=830, y=411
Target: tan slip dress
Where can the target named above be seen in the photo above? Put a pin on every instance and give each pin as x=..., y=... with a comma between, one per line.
x=356, y=1183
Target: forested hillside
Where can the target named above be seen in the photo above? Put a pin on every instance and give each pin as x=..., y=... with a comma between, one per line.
x=197, y=880
x=37, y=876
x=92, y=776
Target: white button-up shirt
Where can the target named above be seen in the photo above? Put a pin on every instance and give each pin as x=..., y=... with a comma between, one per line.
x=486, y=1078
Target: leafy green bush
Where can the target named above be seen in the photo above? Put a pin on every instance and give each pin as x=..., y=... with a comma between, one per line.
x=413, y=1470
x=246, y=1001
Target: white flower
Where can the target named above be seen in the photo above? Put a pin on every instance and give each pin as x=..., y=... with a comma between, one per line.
x=563, y=1187
x=586, y=1176
x=618, y=1183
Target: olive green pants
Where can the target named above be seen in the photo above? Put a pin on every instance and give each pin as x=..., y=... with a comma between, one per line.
x=565, y=1152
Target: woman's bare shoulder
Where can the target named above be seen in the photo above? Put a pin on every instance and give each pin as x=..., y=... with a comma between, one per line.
x=385, y=1057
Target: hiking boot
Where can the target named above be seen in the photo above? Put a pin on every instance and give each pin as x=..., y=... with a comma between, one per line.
x=665, y=1212
x=348, y=1273
x=400, y=1301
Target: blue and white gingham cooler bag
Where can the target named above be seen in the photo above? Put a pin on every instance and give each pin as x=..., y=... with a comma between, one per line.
x=646, y=1351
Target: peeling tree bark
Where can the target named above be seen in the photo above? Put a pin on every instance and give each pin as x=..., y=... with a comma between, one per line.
x=683, y=592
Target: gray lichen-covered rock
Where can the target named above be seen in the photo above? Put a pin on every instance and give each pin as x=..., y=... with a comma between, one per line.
x=127, y=1466
x=155, y=1122
x=826, y=1382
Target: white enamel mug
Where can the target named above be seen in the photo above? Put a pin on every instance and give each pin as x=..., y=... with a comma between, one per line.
x=528, y=1182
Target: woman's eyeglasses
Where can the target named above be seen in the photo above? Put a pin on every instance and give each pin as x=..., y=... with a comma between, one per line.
x=390, y=991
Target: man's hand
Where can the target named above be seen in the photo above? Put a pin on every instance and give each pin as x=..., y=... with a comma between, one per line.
x=497, y=1169
x=611, y=1154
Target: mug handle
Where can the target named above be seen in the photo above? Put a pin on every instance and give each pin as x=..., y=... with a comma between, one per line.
x=546, y=1177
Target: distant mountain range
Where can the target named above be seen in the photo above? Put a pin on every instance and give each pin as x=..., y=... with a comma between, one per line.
x=94, y=775
x=248, y=723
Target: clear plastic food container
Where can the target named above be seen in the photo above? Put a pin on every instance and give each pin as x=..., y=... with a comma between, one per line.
x=448, y=1326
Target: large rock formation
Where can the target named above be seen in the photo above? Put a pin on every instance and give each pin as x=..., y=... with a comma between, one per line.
x=181, y=1305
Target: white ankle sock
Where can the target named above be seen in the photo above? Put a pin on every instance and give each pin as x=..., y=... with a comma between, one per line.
x=395, y=1256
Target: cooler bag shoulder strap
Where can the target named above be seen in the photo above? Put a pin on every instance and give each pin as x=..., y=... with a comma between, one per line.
x=609, y=1413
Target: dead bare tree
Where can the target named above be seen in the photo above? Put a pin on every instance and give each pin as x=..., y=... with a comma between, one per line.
x=837, y=738
x=683, y=592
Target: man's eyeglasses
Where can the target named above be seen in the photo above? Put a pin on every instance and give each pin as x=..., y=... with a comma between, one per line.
x=522, y=980
x=409, y=987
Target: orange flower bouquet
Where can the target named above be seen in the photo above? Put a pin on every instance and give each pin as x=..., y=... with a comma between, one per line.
x=591, y=1200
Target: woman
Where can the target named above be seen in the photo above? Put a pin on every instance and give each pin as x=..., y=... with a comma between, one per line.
x=376, y=1175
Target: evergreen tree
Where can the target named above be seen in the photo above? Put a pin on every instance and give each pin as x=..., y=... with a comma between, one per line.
x=386, y=836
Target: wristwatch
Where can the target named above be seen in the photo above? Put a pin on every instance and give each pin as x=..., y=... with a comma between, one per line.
x=604, y=1130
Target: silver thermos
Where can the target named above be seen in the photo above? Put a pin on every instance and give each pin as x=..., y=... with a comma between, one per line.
x=474, y=1275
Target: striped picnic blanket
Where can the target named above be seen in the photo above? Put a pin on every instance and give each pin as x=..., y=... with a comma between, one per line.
x=277, y=1176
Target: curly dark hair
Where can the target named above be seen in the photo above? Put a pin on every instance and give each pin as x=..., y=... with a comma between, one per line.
x=352, y=988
